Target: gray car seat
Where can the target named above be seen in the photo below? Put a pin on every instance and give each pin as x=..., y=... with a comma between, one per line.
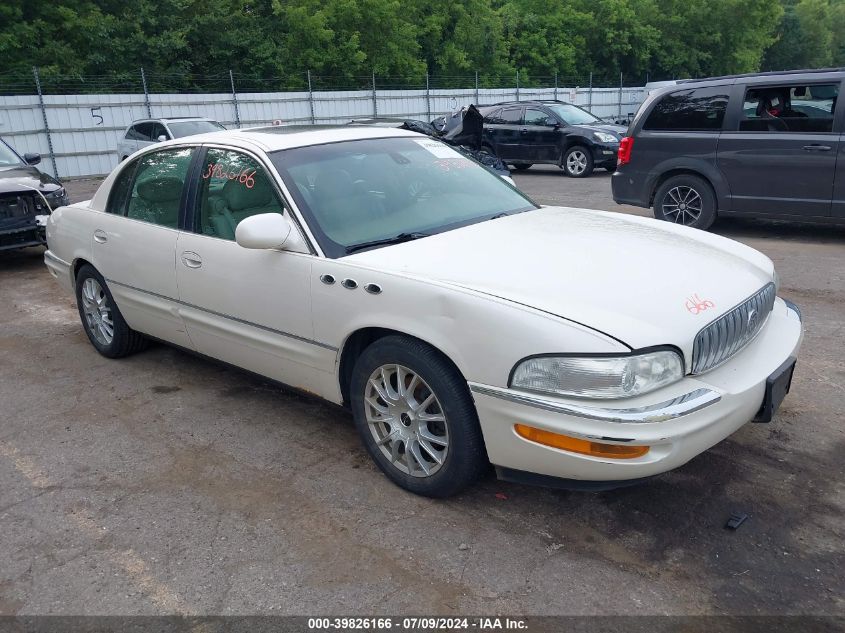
x=158, y=201
x=237, y=202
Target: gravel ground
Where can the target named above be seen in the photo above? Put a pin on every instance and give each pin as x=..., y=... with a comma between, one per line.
x=165, y=483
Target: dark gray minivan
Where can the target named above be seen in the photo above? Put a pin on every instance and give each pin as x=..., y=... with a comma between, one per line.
x=760, y=145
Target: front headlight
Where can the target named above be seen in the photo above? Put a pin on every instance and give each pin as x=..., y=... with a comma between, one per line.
x=604, y=137
x=599, y=376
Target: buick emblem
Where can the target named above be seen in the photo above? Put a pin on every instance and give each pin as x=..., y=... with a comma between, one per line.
x=752, y=320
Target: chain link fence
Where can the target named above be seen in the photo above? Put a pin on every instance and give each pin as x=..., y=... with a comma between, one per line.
x=76, y=122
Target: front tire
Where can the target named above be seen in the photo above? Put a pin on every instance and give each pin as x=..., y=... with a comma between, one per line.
x=416, y=417
x=578, y=162
x=687, y=200
x=105, y=326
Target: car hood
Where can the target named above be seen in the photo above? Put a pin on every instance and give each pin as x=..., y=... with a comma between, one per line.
x=22, y=177
x=618, y=130
x=630, y=277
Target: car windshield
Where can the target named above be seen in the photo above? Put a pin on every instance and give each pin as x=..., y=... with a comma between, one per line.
x=7, y=157
x=355, y=192
x=187, y=128
x=573, y=115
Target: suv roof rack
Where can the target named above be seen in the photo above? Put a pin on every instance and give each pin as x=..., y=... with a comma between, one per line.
x=488, y=105
x=768, y=73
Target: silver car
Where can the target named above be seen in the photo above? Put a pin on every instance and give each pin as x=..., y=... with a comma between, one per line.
x=145, y=132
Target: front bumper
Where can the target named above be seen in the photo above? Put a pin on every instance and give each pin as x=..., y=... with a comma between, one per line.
x=678, y=422
x=605, y=155
x=21, y=237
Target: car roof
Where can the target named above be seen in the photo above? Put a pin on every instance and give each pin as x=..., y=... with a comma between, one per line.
x=173, y=118
x=528, y=102
x=277, y=137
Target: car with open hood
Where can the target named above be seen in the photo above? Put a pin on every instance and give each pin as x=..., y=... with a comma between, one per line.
x=462, y=324
x=27, y=197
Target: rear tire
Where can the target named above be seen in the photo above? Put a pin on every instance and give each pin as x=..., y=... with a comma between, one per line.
x=687, y=200
x=578, y=162
x=416, y=418
x=521, y=166
x=103, y=323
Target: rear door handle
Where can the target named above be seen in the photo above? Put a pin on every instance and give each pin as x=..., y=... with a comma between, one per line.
x=100, y=236
x=816, y=148
x=524, y=130
x=191, y=259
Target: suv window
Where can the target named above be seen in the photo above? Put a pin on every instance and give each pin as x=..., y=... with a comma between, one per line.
x=157, y=189
x=144, y=131
x=691, y=110
x=511, y=116
x=233, y=187
x=789, y=108
x=158, y=130
x=493, y=117
x=535, y=117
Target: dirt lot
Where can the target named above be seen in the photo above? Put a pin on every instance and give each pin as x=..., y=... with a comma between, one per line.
x=165, y=483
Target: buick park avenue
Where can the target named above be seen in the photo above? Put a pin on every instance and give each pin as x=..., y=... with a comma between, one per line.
x=461, y=323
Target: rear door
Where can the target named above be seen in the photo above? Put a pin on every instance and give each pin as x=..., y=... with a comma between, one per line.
x=779, y=157
x=838, y=204
x=541, y=138
x=134, y=242
x=506, y=127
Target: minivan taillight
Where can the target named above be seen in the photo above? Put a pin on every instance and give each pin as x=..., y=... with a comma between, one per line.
x=623, y=157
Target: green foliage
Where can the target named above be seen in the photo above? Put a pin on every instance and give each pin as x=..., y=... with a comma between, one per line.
x=93, y=45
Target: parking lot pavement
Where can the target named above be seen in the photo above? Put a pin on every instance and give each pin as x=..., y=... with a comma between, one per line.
x=167, y=483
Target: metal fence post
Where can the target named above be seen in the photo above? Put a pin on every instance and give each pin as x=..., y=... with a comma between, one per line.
x=555, y=85
x=476, y=87
x=590, y=95
x=46, y=125
x=620, y=96
x=146, y=94
x=517, y=85
x=235, y=99
x=427, y=97
x=310, y=97
x=375, y=104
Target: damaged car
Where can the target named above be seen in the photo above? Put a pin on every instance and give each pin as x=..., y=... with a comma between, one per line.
x=27, y=197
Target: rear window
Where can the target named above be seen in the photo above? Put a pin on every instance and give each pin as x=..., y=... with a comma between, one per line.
x=695, y=109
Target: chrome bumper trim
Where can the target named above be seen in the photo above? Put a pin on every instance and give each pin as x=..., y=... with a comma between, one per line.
x=660, y=412
x=794, y=308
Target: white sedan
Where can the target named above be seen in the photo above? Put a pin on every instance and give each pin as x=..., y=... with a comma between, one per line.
x=463, y=324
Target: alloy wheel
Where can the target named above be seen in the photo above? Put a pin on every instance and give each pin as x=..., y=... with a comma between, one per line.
x=406, y=420
x=98, y=315
x=576, y=162
x=682, y=205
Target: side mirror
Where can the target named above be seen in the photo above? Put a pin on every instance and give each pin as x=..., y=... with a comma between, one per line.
x=161, y=138
x=32, y=159
x=263, y=231
x=552, y=122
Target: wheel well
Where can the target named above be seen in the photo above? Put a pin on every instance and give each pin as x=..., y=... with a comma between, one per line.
x=357, y=342
x=79, y=263
x=679, y=172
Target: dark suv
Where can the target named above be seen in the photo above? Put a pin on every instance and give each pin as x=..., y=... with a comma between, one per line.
x=761, y=145
x=552, y=132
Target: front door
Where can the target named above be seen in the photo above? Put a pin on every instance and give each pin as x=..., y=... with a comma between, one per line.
x=251, y=308
x=781, y=159
x=541, y=138
x=134, y=242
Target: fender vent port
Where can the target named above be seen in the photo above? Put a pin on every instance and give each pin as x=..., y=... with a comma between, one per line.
x=373, y=289
x=327, y=279
x=349, y=284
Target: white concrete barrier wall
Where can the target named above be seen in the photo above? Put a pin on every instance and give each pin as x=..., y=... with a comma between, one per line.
x=85, y=129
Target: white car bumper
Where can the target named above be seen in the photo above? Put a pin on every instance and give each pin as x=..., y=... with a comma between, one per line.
x=677, y=422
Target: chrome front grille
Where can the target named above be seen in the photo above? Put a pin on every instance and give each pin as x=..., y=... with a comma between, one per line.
x=732, y=331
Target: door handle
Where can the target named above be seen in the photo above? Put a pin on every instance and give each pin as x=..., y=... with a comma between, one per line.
x=816, y=148
x=191, y=259
x=524, y=130
x=100, y=236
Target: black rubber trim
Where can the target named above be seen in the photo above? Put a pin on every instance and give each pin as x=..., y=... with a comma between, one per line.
x=547, y=481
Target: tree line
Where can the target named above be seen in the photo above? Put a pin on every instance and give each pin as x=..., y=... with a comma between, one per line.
x=188, y=41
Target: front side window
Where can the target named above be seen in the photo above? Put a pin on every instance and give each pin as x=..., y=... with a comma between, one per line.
x=535, y=117
x=156, y=193
x=789, y=108
x=233, y=186
x=8, y=158
x=355, y=192
x=695, y=109
x=158, y=131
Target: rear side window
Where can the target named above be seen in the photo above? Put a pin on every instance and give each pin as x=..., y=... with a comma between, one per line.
x=493, y=117
x=156, y=192
x=144, y=131
x=696, y=109
x=119, y=194
x=789, y=108
x=511, y=116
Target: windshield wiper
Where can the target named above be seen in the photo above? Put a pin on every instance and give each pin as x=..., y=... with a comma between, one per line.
x=396, y=239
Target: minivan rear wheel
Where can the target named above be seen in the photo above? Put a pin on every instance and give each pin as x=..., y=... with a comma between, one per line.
x=687, y=200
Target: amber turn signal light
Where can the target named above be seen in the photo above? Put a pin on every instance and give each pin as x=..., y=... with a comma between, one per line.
x=575, y=445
